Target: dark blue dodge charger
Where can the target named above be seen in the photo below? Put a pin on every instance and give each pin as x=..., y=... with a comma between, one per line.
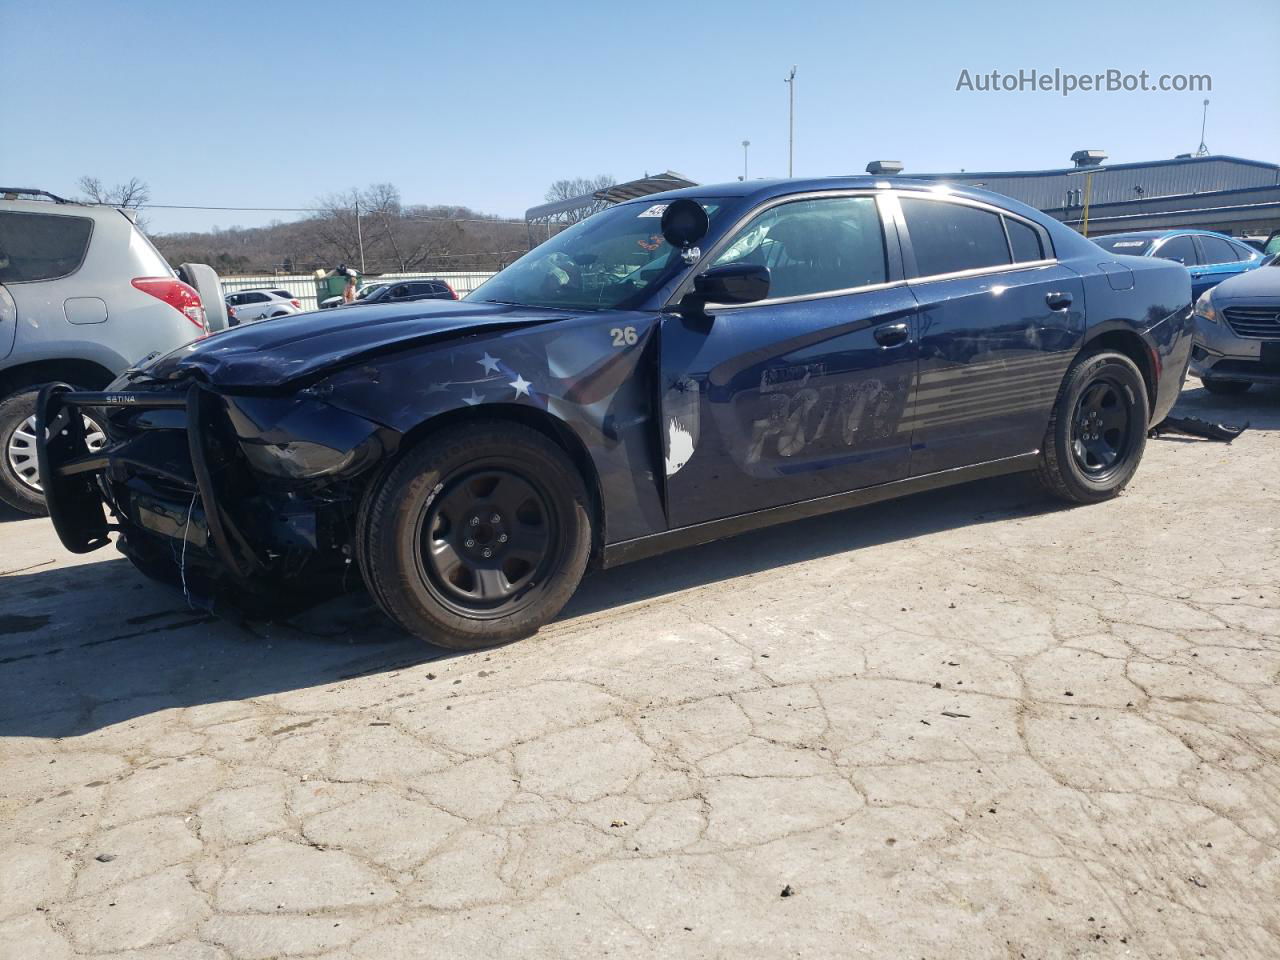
x=668, y=372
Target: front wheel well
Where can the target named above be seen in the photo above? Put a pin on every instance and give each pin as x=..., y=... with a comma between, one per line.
x=1132, y=346
x=549, y=426
x=80, y=373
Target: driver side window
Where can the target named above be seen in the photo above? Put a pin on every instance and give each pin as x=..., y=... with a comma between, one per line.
x=814, y=246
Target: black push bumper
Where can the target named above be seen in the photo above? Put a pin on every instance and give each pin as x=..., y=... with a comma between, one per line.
x=76, y=481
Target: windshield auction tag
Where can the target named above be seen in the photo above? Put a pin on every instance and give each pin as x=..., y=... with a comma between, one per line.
x=655, y=211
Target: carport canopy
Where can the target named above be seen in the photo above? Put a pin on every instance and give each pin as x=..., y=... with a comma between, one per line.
x=549, y=212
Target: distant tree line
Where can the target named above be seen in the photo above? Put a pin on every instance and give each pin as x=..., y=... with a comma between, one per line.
x=396, y=237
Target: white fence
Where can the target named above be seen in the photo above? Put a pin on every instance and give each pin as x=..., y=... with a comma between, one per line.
x=303, y=285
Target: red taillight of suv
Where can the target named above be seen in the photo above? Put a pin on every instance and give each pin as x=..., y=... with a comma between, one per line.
x=297, y=304
x=176, y=294
x=453, y=294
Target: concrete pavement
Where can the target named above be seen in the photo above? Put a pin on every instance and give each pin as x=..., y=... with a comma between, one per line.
x=968, y=724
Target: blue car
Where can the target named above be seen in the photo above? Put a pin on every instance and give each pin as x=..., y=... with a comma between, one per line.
x=1209, y=257
x=670, y=371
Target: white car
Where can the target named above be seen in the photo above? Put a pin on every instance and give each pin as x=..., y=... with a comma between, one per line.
x=250, y=305
x=83, y=295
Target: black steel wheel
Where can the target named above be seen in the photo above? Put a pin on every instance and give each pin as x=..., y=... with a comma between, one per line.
x=486, y=539
x=477, y=535
x=1098, y=429
x=1102, y=427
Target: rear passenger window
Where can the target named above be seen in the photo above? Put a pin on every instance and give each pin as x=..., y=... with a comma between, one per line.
x=1024, y=240
x=814, y=246
x=39, y=246
x=1217, y=250
x=949, y=237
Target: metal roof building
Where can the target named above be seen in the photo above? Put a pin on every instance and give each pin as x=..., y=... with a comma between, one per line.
x=555, y=212
x=1229, y=194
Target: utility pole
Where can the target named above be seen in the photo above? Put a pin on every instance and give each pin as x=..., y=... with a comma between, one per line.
x=1203, y=149
x=745, y=144
x=359, y=235
x=790, y=81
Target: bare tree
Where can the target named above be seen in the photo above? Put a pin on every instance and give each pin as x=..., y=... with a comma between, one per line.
x=578, y=187
x=397, y=238
x=133, y=195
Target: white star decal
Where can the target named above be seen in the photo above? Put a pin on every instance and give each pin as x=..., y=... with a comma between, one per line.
x=489, y=363
x=472, y=400
x=521, y=385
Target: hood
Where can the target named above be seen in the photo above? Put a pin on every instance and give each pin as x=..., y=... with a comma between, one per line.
x=1258, y=283
x=271, y=353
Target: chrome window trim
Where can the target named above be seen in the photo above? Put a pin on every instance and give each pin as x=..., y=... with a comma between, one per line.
x=984, y=271
x=799, y=298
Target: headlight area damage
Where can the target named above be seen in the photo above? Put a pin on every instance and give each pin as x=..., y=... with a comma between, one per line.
x=243, y=502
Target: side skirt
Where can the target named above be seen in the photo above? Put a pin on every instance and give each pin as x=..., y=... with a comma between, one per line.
x=626, y=551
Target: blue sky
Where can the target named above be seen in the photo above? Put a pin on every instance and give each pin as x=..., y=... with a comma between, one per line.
x=275, y=103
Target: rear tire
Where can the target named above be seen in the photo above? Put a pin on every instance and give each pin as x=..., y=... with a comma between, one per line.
x=1098, y=429
x=478, y=535
x=1227, y=388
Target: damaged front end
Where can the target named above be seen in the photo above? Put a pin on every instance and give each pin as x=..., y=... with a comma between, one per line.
x=244, y=502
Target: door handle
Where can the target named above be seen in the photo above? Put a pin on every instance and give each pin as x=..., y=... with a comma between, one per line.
x=1057, y=300
x=893, y=334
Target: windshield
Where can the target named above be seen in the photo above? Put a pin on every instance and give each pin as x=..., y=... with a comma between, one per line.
x=614, y=259
x=366, y=292
x=1126, y=244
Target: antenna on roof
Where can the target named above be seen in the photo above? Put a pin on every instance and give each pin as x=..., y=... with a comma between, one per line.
x=1203, y=149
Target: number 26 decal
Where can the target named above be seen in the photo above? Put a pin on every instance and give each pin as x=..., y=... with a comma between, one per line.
x=623, y=336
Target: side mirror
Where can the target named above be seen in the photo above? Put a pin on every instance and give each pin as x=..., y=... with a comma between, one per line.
x=733, y=283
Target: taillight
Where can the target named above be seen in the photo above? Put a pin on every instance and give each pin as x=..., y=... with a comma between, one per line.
x=452, y=293
x=176, y=294
x=297, y=304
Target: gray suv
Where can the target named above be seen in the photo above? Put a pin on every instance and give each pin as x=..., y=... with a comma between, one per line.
x=83, y=295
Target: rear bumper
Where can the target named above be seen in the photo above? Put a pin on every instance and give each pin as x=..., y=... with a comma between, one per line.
x=177, y=483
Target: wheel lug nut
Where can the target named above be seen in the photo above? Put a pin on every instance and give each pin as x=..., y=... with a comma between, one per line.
x=475, y=521
x=471, y=543
x=495, y=519
x=488, y=552
x=502, y=538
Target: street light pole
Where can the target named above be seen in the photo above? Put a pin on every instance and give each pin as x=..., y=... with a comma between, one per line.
x=359, y=235
x=1203, y=149
x=745, y=144
x=790, y=81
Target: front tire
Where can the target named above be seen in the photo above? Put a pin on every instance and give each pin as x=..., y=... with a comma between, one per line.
x=1098, y=429
x=1227, y=388
x=478, y=535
